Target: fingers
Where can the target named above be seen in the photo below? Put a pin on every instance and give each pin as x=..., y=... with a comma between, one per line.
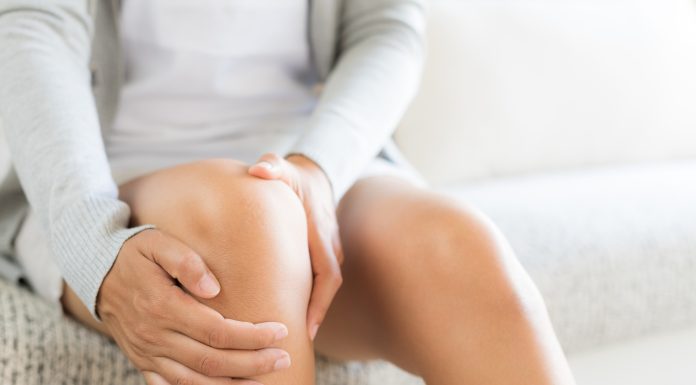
x=181, y=262
x=269, y=166
x=314, y=190
x=176, y=373
x=327, y=281
x=325, y=287
x=152, y=378
x=209, y=327
x=337, y=246
x=228, y=363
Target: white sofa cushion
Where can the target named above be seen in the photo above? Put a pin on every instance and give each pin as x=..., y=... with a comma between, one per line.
x=515, y=86
x=665, y=359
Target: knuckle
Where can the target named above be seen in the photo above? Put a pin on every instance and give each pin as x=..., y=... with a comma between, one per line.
x=183, y=380
x=262, y=363
x=138, y=361
x=208, y=365
x=146, y=335
x=141, y=330
x=151, y=238
x=157, y=308
x=138, y=351
x=263, y=337
x=217, y=338
x=155, y=340
x=188, y=263
x=271, y=156
x=140, y=303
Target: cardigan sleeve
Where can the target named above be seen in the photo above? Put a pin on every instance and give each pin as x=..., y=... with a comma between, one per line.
x=49, y=116
x=376, y=74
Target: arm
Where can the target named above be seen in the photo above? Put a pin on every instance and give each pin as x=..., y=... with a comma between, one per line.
x=381, y=52
x=376, y=75
x=50, y=119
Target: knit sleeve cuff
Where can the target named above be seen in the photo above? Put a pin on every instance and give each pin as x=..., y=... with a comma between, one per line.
x=341, y=152
x=86, y=240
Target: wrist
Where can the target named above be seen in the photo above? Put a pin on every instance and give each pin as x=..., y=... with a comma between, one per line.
x=309, y=167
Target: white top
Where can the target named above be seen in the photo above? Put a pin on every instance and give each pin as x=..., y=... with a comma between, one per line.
x=205, y=78
x=52, y=125
x=210, y=78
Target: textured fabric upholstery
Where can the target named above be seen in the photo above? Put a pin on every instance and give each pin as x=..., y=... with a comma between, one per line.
x=38, y=346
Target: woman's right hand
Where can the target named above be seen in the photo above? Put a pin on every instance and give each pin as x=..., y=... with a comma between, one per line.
x=169, y=335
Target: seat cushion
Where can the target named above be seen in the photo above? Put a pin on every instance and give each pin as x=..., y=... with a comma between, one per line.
x=38, y=345
x=613, y=250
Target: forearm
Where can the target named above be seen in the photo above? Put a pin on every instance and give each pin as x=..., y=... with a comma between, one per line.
x=52, y=128
x=376, y=76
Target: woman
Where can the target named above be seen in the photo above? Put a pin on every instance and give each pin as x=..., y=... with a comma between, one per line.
x=206, y=270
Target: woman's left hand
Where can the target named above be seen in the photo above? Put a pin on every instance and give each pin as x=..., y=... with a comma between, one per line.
x=314, y=190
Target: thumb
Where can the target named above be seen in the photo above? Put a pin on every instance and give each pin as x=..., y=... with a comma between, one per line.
x=269, y=166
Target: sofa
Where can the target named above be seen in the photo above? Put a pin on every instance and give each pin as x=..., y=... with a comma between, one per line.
x=571, y=123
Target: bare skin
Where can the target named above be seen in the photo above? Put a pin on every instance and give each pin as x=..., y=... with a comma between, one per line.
x=428, y=284
x=432, y=286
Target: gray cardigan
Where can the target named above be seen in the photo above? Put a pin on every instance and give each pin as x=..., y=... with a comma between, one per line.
x=60, y=76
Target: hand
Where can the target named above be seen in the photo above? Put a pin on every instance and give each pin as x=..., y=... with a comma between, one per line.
x=314, y=190
x=169, y=335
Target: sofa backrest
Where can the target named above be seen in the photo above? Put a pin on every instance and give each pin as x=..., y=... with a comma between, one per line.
x=518, y=86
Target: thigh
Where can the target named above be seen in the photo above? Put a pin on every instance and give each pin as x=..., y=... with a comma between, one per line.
x=431, y=285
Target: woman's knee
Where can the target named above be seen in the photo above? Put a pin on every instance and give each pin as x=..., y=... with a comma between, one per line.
x=251, y=232
x=443, y=248
x=473, y=257
x=207, y=192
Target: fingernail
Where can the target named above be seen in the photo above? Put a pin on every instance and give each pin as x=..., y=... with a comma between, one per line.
x=264, y=164
x=208, y=285
x=279, y=330
x=313, y=331
x=282, y=363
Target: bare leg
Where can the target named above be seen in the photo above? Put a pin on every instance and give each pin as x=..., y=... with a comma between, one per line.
x=433, y=287
x=252, y=234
